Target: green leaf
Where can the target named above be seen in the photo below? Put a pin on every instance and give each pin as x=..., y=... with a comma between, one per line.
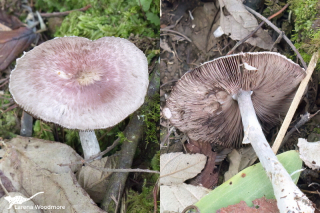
x=247, y=185
x=145, y=4
x=153, y=18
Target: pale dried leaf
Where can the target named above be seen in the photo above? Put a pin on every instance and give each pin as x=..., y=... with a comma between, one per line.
x=47, y=154
x=4, y=27
x=164, y=45
x=177, y=167
x=240, y=23
x=95, y=181
x=28, y=177
x=309, y=153
x=177, y=197
x=18, y=208
x=239, y=160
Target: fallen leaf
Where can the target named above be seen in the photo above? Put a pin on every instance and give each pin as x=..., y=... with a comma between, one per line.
x=177, y=167
x=29, y=174
x=12, y=43
x=95, y=181
x=38, y=150
x=208, y=177
x=9, y=21
x=240, y=159
x=177, y=197
x=239, y=23
x=309, y=153
x=261, y=205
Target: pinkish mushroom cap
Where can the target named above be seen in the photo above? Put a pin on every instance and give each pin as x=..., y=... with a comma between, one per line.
x=202, y=102
x=81, y=84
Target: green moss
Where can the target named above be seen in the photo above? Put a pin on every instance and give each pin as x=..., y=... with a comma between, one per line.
x=155, y=162
x=42, y=130
x=305, y=36
x=141, y=202
x=151, y=115
x=316, y=130
x=107, y=18
x=9, y=126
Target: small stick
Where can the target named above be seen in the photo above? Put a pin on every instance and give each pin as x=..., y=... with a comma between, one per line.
x=278, y=31
x=92, y=158
x=304, y=119
x=122, y=170
x=57, y=14
x=254, y=31
x=172, y=31
x=295, y=103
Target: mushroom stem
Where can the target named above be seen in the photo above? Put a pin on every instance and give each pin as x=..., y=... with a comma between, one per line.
x=288, y=195
x=89, y=143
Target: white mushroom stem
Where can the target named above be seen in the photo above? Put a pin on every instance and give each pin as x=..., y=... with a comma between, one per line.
x=288, y=195
x=89, y=143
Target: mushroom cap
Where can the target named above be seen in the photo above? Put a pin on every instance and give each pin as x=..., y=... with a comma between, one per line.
x=81, y=84
x=201, y=104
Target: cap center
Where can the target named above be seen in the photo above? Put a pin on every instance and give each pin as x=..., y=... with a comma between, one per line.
x=86, y=78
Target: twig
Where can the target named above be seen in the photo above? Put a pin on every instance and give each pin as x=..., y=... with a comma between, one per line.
x=1, y=85
x=277, y=41
x=172, y=31
x=295, y=102
x=92, y=158
x=254, y=31
x=134, y=132
x=57, y=14
x=278, y=31
x=122, y=170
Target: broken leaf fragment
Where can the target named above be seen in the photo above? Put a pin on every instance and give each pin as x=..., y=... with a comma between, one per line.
x=309, y=153
x=239, y=23
x=95, y=181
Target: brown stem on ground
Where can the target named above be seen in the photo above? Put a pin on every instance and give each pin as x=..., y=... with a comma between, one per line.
x=133, y=133
x=57, y=14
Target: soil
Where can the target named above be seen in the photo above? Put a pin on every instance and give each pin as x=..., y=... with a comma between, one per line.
x=187, y=40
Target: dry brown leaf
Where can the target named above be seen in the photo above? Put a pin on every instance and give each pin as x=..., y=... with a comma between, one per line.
x=309, y=153
x=239, y=23
x=177, y=197
x=28, y=177
x=95, y=181
x=12, y=43
x=239, y=160
x=177, y=167
x=261, y=205
x=11, y=22
x=18, y=208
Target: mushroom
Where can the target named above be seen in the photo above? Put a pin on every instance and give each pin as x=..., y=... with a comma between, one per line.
x=209, y=102
x=81, y=84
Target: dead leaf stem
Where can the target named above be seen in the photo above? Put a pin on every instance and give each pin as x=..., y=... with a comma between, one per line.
x=258, y=27
x=172, y=31
x=57, y=14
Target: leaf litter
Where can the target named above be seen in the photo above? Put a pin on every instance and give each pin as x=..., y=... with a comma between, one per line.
x=30, y=173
